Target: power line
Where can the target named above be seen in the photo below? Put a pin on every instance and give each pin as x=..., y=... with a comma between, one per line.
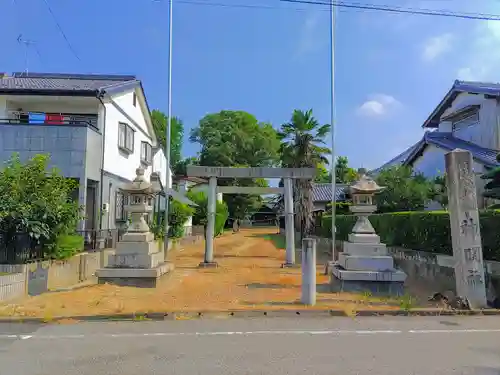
x=401, y=10
x=68, y=43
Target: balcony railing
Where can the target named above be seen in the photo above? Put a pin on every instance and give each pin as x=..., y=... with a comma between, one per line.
x=41, y=118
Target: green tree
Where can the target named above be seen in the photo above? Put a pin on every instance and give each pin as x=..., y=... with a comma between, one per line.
x=303, y=139
x=200, y=216
x=405, y=191
x=440, y=192
x=492, y=188
x=159, y=120
x=343, y=173
x=232, y=139
x=37, y=201
x=180, y=168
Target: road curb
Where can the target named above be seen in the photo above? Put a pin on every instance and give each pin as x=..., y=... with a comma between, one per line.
x=179, y=315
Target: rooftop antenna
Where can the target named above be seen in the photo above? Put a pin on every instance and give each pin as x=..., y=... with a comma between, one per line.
x=27, y=44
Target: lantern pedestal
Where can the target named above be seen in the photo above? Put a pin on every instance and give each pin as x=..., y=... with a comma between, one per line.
x=365, y=264
x=138, y=261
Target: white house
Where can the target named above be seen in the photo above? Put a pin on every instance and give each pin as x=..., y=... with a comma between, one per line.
x=468, y=118
x=96, y=128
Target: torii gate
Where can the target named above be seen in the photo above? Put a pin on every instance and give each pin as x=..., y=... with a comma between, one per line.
x=255, y=172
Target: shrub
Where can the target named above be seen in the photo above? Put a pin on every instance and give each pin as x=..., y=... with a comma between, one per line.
x=200, y=214
x=37, y=201
x=68, y=245
x=424, y=231
x=178, y=214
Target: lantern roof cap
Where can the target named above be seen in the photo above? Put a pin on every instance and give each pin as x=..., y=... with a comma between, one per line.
x=140, y=184
x=365, y=185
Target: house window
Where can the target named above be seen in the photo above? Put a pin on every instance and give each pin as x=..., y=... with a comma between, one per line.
x=120, y=214
x=146, y=153
x=465, y=121
x=125, y=137
x=134, y=99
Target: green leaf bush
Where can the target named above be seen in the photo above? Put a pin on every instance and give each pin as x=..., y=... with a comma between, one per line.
x=424, y=230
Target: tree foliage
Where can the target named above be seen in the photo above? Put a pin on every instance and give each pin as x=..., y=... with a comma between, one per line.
x=303, y=140
x=405, y=191
x=200, y=216
x=180, y=169
x=37, y=201
x=232, y=139
x=159, y=120
x=343, y=173
x=492, y=188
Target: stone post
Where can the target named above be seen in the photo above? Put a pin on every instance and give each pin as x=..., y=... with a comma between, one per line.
x=209, y=240
x=309, y=271
x=465, y=227
x=289, y=223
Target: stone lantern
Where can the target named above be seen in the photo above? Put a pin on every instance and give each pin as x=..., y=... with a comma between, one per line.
x=139, y=198
x=365, y=264
x=138, y=260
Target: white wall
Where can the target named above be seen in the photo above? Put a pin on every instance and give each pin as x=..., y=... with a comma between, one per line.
x=159, y=165
x=432, y=164
x=116, y=161
x=485, y=133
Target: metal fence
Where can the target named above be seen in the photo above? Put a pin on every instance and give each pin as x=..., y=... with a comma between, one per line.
x=20, y=248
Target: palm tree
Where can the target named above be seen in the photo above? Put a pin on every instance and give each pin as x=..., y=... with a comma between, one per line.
x=303, y=140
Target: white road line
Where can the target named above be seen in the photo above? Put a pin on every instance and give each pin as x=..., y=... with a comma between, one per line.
x=250, y=333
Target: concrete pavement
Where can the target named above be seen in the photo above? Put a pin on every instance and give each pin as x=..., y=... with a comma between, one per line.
x=377, y=346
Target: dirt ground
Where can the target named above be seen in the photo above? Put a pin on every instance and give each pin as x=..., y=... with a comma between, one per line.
x=249, y=277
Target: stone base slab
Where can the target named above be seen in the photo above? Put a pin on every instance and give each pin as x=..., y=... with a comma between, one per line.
x=366, y=262
x=208, y=265
x=140, y=260
x=378, y=249
x=364, y=238
x=144, y=278
x=137, y=247
x=349, y=275
x=138, y=237
x=375, y=288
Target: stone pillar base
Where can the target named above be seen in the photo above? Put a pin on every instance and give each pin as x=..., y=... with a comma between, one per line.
x=137, y=277
x=208, y=265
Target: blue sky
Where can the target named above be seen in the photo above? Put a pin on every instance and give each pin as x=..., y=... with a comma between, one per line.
x=391, y=70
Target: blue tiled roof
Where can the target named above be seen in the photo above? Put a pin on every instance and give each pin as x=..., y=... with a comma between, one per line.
x=55, y=82
x=485, y=88
x=448, y=142
x=323, y=192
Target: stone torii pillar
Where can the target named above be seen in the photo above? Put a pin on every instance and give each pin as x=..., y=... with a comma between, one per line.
x=289, y=223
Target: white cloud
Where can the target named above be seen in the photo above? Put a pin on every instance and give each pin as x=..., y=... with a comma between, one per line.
x=483, y=54
x=437, y=46
x=378, y=105
x=309, y=41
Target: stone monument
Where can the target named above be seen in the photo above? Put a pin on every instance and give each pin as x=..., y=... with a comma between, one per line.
x=138, y=260
x=465, y=229
x=364, y=264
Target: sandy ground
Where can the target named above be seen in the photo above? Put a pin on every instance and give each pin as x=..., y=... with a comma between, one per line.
x=249, y=277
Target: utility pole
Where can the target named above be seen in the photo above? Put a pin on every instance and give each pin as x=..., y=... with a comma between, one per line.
x=332, y=122
x=168, y=184
x=27, y=44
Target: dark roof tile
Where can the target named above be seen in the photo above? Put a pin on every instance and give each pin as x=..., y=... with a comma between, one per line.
x=323, y=192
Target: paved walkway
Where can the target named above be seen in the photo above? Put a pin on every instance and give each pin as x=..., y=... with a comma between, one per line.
x=249, y=277
x=365, y=346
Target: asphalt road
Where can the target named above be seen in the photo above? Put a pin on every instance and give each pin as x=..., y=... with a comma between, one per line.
x=302, y=345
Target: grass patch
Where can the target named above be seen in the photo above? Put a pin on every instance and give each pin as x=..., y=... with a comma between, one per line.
x=278, y=240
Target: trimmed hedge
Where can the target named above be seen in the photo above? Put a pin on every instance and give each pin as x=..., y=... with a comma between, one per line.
x=423, y=230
